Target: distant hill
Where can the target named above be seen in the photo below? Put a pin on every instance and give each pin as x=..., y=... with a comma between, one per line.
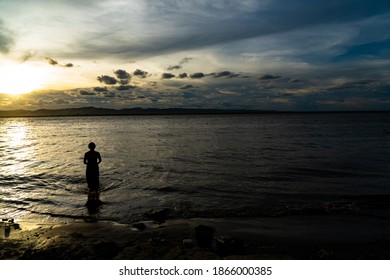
x=93, y=111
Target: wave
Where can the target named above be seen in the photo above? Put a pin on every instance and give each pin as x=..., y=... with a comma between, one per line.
x=75, y=217
x=170, y=190
x=340, y=205
x=39, y=180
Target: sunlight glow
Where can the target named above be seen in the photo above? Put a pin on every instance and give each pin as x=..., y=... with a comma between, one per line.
x=21, y=78
x=17, y=147
x=16, y=138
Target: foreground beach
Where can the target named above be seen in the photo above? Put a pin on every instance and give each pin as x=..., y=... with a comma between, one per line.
x=301, y=237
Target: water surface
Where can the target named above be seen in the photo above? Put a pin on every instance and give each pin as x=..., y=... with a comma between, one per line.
x=196, y=166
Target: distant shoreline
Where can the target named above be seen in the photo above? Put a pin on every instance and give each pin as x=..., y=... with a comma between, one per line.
x=93, y=111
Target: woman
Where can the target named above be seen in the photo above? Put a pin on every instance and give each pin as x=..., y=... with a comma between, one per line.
x=92, y=159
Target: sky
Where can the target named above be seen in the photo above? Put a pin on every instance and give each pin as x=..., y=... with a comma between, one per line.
x=301, y=55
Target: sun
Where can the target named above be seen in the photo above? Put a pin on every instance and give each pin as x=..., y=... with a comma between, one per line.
x=21, y=78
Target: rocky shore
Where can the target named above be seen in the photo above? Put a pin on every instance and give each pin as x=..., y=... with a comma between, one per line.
x=304, y=237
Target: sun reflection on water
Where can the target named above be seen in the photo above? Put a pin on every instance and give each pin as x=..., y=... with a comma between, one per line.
x=17, y=135
x=16, y=148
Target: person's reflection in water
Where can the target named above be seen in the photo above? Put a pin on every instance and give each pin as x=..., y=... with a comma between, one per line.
x=92, y=159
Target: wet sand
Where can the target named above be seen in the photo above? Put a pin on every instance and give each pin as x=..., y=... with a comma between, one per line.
x=292, y=237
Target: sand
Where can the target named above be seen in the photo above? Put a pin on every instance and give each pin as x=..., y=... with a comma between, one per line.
x=293, y=237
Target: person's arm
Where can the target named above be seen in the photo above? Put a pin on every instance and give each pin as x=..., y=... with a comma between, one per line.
x=99, y=158
x=85, y=158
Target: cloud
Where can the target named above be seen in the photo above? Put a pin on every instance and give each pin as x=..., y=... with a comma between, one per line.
x=108, y=80
x=100, y=89
x=124, y=87
x=124, y=82
x=28, y=55
x=268, y=77
x=180, y=64
x=198, y=75
x=361, y=88
x=173, y=67
x=122, y=74
x=183, y=76
x=60, y=101
x=152, y=83
x=51, y=61
x=225, y=74
x=185, y=60
x=187, y=87
x=56, y=63
x=322, y=45
x=294, y=81
x=6, y=40
x=123, y=77
x=220, y=74
x=140, y=73
x=186, y=25
x=86, y=92
x=167, y=76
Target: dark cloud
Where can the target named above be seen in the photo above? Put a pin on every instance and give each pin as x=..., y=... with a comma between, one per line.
x=100, y=89
x=236, y=75
x=167, y=76
x=108, y=80
x=268, y=77
x=355, y=85
x=122, y=74
x=109, y=94
x=56, y=63
x=198, y=75
x=123, y=77
x=124, y=82
x=51, y=61
x=86, y=92
x=220, y=74
x=185, y=60
x=124, y=87
x=173, y=67
x=6, y=40
x=180, y=64
x=183, y=76
x=224, y=74
x=199, y=24
x=140, y=73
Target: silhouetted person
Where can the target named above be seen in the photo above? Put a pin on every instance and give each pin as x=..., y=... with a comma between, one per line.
x=92, y=159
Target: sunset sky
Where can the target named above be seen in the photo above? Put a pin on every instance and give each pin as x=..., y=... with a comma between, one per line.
x=247, y=54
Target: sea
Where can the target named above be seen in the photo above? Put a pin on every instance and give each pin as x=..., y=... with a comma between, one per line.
x=195, y=166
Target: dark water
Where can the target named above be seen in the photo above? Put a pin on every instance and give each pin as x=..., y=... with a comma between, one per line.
x=196, y=166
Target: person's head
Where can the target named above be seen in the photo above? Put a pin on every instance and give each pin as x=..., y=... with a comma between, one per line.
x=91, y=146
